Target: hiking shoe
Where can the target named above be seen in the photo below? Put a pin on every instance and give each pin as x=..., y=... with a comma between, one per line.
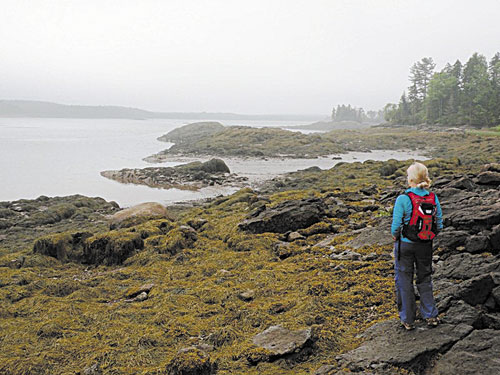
x=432, y=322
x=408, y=326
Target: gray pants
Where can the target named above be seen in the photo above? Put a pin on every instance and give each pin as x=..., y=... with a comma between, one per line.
x=411, y=255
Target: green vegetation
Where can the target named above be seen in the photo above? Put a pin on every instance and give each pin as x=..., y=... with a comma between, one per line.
x=457, y=95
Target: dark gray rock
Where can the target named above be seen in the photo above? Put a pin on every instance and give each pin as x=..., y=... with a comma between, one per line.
x=463, y=183
x=379, y=235
x=387, y=344
x=491, y=321
x=474, y=218
x=476, y=290
x=450, y=239
x=496, y=277
x=466, y=266
x=478, y=353
x=495, y=239
x=488, y=178
x=281, y=341
x=477, y=244
x=496, y=295
x=286, y=216
x=461, y=312
x=490, y=303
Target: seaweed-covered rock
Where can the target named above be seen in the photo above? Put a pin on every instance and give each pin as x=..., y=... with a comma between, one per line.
x=111, y=247
x=191, y=361
x=63, y=246
x=178, y=239
x=286, y=216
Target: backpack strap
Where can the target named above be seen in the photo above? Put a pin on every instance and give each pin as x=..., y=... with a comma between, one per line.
x=401, y=231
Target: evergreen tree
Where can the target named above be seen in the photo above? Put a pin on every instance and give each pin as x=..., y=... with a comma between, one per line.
x=420, y=76
x=477, y=92
x=494, y=72
x=438, y=101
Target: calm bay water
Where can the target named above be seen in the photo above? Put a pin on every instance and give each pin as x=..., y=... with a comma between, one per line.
x=57, y=157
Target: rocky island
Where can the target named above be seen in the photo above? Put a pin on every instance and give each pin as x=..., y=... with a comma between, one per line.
x=191, y=176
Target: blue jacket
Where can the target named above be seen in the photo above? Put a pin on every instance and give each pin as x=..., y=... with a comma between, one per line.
x=403, y=207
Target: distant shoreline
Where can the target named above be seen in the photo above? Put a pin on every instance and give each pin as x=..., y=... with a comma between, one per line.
x=41, y=109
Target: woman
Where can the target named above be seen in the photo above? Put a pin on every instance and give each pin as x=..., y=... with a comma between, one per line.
x=408, y=253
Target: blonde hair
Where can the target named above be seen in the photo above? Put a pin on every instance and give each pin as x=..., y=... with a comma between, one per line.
x=418, y=174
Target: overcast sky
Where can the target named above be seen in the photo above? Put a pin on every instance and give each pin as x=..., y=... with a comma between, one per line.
x=245, y=56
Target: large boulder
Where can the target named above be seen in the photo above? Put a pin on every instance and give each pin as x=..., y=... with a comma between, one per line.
x=286, y=216
x=215, y=166
x=137, y=214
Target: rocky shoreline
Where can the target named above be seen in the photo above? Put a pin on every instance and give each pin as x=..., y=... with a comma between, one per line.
x=293, y=278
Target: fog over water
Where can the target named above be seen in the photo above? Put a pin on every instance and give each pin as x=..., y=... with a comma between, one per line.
x=261, y=56
x=58, y=157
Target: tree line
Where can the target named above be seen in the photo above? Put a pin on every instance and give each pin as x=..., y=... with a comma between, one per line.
x=348, y=113
x=457, y=95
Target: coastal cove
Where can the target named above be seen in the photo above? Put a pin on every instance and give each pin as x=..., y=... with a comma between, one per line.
x=59, y=157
